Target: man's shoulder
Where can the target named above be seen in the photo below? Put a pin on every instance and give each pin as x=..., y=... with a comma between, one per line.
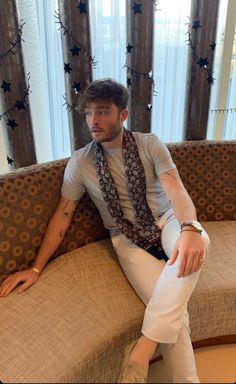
x=146, y=139
x=84, y=153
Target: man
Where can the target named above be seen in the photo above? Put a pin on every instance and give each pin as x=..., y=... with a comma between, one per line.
x=161, y=247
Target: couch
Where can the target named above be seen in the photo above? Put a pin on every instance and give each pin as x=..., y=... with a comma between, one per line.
x=73, y=324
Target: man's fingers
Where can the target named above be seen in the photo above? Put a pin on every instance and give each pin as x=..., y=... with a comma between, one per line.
x=193, y=264
x=6, y=289
x=27, y=277
x=173, y=256
x=24, y=286
x=188, y=266
x=182, y=263
x=7, y=279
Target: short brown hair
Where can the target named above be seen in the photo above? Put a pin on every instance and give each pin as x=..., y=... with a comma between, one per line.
x=104, y=89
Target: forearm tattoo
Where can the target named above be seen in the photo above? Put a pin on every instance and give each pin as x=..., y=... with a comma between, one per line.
x=67, y=209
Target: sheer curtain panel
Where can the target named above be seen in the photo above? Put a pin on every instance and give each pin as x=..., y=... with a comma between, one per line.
x=169, y=68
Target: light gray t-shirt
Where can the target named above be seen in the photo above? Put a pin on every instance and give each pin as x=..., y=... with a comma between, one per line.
x=80, y=176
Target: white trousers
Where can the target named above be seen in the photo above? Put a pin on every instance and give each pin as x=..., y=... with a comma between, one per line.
x=165, y=296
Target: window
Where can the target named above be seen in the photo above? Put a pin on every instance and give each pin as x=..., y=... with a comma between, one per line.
x=222, y=114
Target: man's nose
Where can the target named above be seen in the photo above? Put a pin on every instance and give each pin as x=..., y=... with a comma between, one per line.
x=93, y=118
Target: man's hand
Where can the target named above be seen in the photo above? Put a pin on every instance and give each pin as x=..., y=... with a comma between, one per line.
x=29, y=277
x=190, y=248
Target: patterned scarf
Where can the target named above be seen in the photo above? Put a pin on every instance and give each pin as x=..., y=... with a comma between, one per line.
x=145, y=233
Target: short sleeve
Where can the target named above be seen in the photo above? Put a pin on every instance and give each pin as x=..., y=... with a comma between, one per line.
x=72, y=187
x=160, y=155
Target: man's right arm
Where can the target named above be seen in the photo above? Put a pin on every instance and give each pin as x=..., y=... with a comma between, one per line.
x=53, y=237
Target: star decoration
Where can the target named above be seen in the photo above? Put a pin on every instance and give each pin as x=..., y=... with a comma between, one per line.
x=203, y=62
x=9, y=160
x=129, y=48
x=6, y=86
x=75, y=51
x=137, y=8
x=82, y=7
x=210, y=79
x=76, y=87
x=12, y=123
x=213, y=45
x=149, y=107
x=128, y=82
x=19, y=105
x=196, y=25
x=67, y=68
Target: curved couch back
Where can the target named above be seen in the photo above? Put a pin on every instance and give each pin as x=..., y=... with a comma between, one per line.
x=28, y=197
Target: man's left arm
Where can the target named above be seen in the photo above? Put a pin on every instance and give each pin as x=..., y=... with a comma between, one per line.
x=190, y=246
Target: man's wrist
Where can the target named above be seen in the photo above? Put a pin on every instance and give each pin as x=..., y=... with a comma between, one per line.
x=190, y=229
x=37, y=270
x=195, y=225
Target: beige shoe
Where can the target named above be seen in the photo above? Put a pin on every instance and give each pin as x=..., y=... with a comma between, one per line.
x=132, y=372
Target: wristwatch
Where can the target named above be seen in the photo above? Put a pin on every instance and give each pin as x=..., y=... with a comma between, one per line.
x=193, y=223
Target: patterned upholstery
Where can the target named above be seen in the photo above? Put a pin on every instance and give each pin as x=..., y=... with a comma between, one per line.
x=208, y=171
x=28, y=197
x=72, y=326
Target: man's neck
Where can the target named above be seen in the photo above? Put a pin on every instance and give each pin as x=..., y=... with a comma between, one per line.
x=116, y=142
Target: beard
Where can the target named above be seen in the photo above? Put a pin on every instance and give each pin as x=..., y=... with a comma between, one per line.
x=109, y=134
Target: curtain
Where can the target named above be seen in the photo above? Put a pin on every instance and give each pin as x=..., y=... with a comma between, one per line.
x=53, y=79
x=108, y=37
x=15, y=89
x=74, y=21
x=222, y=116
x=43, y=59
x=169, y=67
x=110, y=46
x=230, y=119
x=202, y=34
x=139, y=55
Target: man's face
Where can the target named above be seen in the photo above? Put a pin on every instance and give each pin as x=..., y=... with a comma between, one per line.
x=104, y=120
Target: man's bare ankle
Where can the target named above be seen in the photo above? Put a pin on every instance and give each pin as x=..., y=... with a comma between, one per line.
x=143, y=351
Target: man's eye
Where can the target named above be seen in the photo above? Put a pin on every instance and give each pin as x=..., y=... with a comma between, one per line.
x=102, y=112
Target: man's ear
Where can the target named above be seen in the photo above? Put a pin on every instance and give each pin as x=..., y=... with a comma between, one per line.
x=123, y=115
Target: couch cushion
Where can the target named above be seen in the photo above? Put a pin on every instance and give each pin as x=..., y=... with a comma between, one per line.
x=212, y=307
x=73, y=324
x=63, y=328
x=28, y=198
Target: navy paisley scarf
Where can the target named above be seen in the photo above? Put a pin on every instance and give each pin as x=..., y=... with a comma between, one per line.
x=145, y=233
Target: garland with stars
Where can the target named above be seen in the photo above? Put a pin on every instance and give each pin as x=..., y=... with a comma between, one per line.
x=77, y=49
x=6, y=87
x=77, y=46
x=19, y=104
x=69, y=107
x=137, y=8
x=204, y=63
x=201, y=61
x=17, y=41
x=226, y=110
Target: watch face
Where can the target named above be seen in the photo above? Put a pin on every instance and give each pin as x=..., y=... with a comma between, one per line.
x=196, y=225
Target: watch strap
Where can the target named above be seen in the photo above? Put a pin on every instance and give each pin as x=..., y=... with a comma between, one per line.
x=186, y=223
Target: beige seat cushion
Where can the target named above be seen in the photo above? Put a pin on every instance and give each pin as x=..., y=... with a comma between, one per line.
x=212, y=307
x=73, y=324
